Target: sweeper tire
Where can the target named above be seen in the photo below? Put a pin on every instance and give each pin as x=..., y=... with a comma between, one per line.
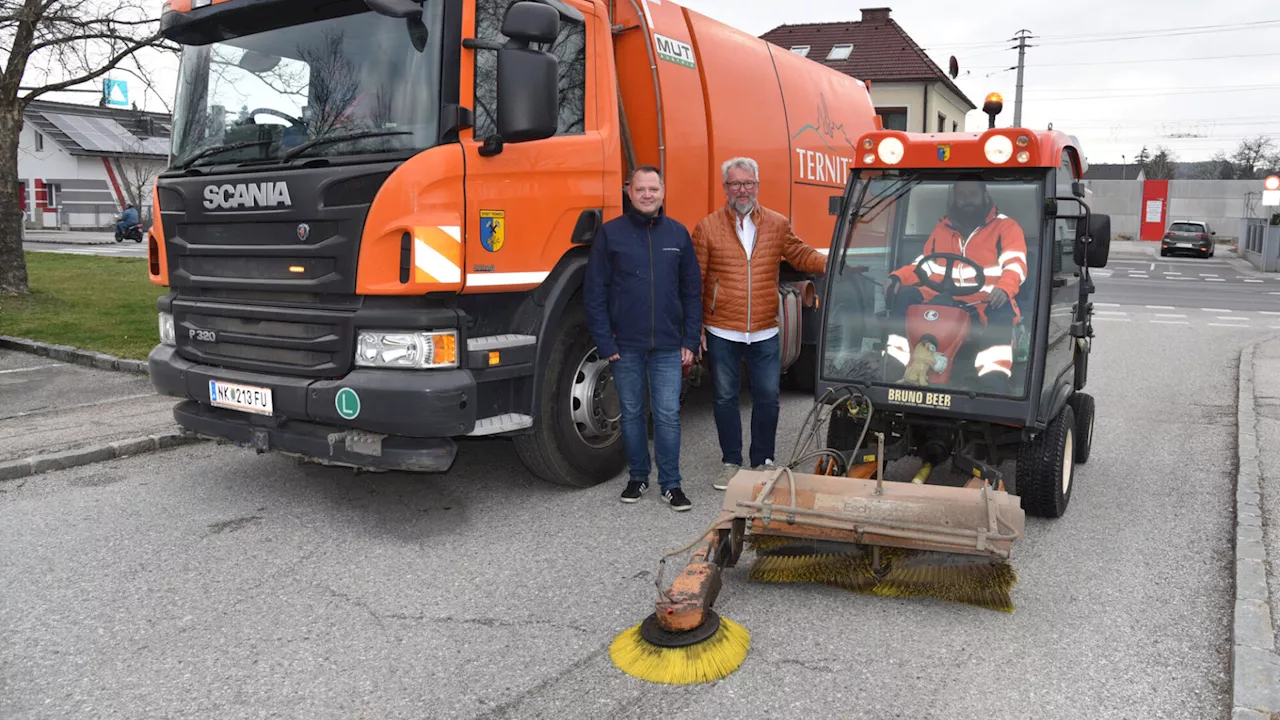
x=556, y=451
x=1046, y=467
x=1082, y=404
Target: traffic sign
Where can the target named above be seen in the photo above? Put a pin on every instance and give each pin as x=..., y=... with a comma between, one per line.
x=116, y=92
x=348, y=403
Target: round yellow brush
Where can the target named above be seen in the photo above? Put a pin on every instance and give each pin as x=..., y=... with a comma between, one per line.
x=707, y=653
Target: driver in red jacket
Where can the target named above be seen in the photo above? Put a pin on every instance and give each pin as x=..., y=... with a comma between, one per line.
x=975, y=229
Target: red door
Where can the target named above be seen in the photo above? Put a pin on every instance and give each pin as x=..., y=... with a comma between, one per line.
x=1154, y=210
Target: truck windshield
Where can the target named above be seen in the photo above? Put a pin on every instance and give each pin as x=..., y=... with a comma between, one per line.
x=945, y=246
x=355, y=84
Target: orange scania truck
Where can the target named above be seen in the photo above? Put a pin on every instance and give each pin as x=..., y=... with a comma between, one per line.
x=377, y=213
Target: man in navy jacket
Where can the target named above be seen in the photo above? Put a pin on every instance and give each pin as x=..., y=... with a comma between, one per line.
x=643, y=298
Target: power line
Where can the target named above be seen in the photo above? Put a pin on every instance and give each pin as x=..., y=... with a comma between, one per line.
x=1132, y=62
x=1178, y=89
x=1126, y=96
x=1125, y=35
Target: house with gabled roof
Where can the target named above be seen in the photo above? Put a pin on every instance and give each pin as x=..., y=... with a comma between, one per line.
x=78, y=165
x=909, y=90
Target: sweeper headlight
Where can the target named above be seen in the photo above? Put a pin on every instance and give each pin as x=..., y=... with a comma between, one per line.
x=407, y=349
x=892, y=150
x=998, y=149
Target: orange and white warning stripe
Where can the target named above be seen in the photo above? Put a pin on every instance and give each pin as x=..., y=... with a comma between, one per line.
x=437, y=255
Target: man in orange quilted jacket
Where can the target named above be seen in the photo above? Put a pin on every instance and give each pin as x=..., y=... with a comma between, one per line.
x=740, y=248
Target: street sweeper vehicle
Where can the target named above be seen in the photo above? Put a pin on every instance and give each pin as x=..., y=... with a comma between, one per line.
x=955, y=339
x=377, y=215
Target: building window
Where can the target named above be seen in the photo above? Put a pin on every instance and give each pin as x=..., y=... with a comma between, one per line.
x=570, y=48
x=942, y=122
x=39, y=141
x=801, y=50
x=893, y=118
x=51, y=193
x=840, y=52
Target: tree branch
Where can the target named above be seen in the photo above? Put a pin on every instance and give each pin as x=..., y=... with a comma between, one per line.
x=107, y=67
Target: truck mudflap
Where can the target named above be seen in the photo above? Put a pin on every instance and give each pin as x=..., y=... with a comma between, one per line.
x=324, y=444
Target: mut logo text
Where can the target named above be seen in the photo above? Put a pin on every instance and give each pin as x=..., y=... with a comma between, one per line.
x=247, y=195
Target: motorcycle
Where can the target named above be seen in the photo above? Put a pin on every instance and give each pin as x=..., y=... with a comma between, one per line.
x=133, y=232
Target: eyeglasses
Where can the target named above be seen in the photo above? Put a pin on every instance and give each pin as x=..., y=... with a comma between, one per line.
x=747, y=185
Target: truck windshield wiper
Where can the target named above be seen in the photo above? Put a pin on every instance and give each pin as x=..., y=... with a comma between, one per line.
x=221, y=148
x=295, y=152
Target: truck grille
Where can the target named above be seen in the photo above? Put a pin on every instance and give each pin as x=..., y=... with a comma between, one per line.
x=277, y=340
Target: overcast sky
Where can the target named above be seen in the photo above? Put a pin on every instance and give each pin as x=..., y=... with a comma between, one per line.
x=1120, y=74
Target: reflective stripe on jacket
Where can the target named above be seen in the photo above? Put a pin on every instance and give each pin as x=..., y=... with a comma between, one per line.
x=998, y=246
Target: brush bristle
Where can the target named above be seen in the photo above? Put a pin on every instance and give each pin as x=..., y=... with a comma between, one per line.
x=849, y=570
x=954, y=578
x=771, y=542
x=707, y=661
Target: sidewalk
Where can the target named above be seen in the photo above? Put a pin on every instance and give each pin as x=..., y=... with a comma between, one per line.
x=70, y=237
x=55, y=414
x=1256, y=664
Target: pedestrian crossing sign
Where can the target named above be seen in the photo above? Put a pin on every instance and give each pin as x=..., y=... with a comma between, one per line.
x=116, y=92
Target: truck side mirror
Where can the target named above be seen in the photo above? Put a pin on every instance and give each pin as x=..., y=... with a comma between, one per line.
x=1095, y=252
x=528, y=93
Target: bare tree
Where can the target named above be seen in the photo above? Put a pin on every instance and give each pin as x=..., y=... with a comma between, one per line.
x=1254, y=157
x=1161, y=165
x=137, y=172
x=54, y=45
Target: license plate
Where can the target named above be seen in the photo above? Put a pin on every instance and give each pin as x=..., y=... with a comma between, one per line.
x=1186, y=245
x=244, y=398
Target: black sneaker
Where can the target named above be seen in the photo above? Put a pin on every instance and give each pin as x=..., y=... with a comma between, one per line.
x=634, y=490
x=675, y=496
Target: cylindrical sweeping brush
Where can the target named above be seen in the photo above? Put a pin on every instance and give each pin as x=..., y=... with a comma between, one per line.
x=967, y=579
x=710, y=652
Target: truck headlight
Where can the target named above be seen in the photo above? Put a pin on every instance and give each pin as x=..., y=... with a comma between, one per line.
x=998, y=149
x=407, y=349
x=167, y=334
x=891, y=151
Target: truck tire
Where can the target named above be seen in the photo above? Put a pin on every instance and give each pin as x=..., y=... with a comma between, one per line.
x=577, y=436
x=1083, y=406
x=1046, y=468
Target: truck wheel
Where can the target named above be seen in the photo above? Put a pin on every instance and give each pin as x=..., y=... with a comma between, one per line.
x=577, y=431
x=1046, y=467
x=1083, y=406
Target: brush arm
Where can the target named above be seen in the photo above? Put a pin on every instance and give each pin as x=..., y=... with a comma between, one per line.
x=684, y=605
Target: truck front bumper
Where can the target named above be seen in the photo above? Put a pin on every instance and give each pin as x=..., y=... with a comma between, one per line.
x=406, y=420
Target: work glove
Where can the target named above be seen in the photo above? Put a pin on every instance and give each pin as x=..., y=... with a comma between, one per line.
x=997, y=299
x=891, y=288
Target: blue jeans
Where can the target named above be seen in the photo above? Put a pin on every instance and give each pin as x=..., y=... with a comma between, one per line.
x=663, y=371
x=764, y=373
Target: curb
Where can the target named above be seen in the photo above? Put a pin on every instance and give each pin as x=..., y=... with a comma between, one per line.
x=35, y=465
x=63, y=241
x=69, y=354
x=1255, y=666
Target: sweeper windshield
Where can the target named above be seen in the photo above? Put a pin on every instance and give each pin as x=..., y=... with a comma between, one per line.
x=935, y=281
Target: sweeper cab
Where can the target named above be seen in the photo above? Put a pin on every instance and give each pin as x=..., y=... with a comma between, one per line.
x=930, y=387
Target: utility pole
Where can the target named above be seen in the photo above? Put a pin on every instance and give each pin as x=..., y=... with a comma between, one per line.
x=1021, y=37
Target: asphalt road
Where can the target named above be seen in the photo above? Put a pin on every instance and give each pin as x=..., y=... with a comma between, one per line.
x=208, y=581
x=124, y=249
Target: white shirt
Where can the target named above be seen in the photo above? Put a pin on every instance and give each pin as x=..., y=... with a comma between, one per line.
x=747, y=236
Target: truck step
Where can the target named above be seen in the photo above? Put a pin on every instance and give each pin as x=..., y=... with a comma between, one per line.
x=501, y=424
x=499, y=342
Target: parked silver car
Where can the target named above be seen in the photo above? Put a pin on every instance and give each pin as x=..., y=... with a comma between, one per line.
x=1193, y=237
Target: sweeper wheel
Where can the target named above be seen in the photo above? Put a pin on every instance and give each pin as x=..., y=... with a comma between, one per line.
x=1083, y=406
x=1046, y=467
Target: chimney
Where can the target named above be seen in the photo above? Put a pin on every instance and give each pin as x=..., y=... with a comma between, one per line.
x=875, y=16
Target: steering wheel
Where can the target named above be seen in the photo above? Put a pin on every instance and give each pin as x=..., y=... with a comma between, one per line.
x=947, y=286
x=296, y=122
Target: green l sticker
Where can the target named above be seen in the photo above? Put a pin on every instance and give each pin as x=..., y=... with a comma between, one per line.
x=348, y=403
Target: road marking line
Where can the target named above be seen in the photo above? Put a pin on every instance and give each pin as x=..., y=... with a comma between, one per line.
x=1116, y=319
x=1153, y=266
x=1135, y=276
x=1207, y=275
x=1112, y=312
x=1171, y=273
x=1163, y=307
x=1118, y=304
x=1169, y=315
x=29, y=369
x=1268, y=312
x=1170, y=322
x=1214, y=280
x=1215, y=310
x=1252, y=281
x=1246, y=327
x=1232, y=317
